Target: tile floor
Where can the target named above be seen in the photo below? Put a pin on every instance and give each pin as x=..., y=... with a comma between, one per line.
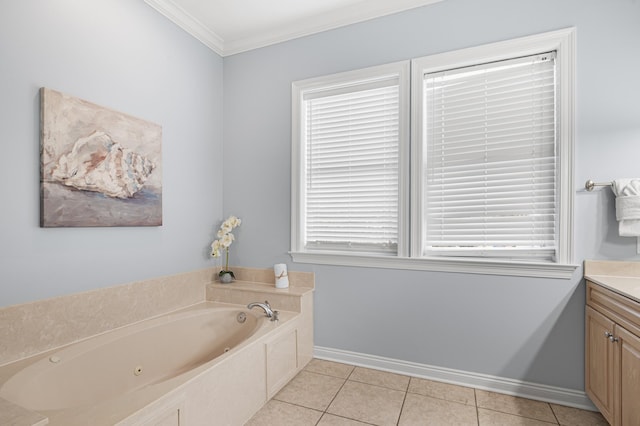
x=328, y=393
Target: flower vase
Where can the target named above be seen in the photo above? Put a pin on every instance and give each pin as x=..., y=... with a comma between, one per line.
x=226, y=277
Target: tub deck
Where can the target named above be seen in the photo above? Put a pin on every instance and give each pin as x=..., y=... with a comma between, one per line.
x=226, y=390
x=117, y=409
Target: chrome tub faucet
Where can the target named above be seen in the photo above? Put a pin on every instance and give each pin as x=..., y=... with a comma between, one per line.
x=270, y=313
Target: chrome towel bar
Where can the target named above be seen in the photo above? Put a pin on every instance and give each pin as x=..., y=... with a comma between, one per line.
x=589, y=185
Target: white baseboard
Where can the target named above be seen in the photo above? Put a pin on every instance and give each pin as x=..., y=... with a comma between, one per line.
x=552, y=394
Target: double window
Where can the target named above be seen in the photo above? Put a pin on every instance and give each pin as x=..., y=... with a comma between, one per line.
x=458, y=161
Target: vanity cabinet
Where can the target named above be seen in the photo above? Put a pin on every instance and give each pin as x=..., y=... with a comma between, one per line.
x=612, y=355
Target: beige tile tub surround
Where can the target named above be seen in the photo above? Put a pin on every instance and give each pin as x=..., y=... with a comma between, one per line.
x=44, y=326
x=266, y=276
x=36, y=327
x=32, y=328
x=258, y=285
x=253, y=285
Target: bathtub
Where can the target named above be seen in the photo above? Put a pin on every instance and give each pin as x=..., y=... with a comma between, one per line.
x=105, y=379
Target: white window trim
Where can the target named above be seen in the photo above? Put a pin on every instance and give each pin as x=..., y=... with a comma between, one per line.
x=562, y=41
x=298, y=88
x=440, y=264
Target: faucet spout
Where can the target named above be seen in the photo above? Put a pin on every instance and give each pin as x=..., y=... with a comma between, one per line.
x=270, y=313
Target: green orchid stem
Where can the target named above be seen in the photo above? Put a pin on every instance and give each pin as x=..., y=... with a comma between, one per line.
x=226, y=266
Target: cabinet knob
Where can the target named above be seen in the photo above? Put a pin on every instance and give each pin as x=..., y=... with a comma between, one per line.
x=610, y=336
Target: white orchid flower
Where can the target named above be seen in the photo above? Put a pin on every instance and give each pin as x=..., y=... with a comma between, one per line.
x=224, y=241
x=227, y=240
x=224, y=229
x=215, y=248
x=234, y=221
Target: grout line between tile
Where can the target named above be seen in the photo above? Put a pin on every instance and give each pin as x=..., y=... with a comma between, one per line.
x=292, y=403
x=327, y=374
x=378, y=386
x=335, y=396
x=475, y=401
x=402, y=406
x=351, y=373
x=343, y=417
x=440, y=398
x=273, y=398
x=554, y=411
x=516, y=415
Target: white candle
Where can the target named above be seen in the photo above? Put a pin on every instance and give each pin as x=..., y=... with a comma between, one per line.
x=280, y=271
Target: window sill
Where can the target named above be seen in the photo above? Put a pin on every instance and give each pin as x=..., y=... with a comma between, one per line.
x=466, y=266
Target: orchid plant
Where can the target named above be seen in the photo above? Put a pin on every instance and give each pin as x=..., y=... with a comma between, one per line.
x=224, y=241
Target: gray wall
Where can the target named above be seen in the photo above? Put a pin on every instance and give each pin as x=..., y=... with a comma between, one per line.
x=521, y=328
x=124, y=55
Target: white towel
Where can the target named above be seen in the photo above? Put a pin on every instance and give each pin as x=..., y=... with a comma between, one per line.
x=627, y=193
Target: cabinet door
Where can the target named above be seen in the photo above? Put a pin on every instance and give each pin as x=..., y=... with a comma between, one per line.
x=282, y=361
x=628, y=358
x=599, y=362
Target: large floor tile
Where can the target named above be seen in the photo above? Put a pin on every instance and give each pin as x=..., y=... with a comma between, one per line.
x=423, y=410
x=310, y=390
x=380, y=378
x=441, y=390
x=328, y=393
x=496, y=418
x=329, y=368
x=568, y=416
x=331, y=420
x=515, y=405
x=368, y=403
x=284, y=414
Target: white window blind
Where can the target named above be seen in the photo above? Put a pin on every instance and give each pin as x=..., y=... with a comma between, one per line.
x=351, y=172
x=490, y=178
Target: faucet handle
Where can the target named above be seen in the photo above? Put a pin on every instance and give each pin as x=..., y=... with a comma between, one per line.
x=266, y=302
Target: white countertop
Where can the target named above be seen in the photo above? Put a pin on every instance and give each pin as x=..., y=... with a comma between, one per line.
x=626, y=286
x=620, y=277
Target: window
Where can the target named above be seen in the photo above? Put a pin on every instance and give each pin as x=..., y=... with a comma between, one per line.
x=487, y=187
x=351, y=140
x=490, y=166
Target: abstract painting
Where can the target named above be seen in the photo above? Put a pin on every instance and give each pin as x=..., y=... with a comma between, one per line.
x=98, y=167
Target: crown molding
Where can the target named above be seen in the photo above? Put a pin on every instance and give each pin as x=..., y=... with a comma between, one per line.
x=190, y=24
x=300, y=28
x=324, y=22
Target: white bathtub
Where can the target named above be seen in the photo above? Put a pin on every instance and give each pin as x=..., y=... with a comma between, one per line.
x=115, y=374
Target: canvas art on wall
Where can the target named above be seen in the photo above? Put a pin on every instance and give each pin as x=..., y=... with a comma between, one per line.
x=99, y=167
